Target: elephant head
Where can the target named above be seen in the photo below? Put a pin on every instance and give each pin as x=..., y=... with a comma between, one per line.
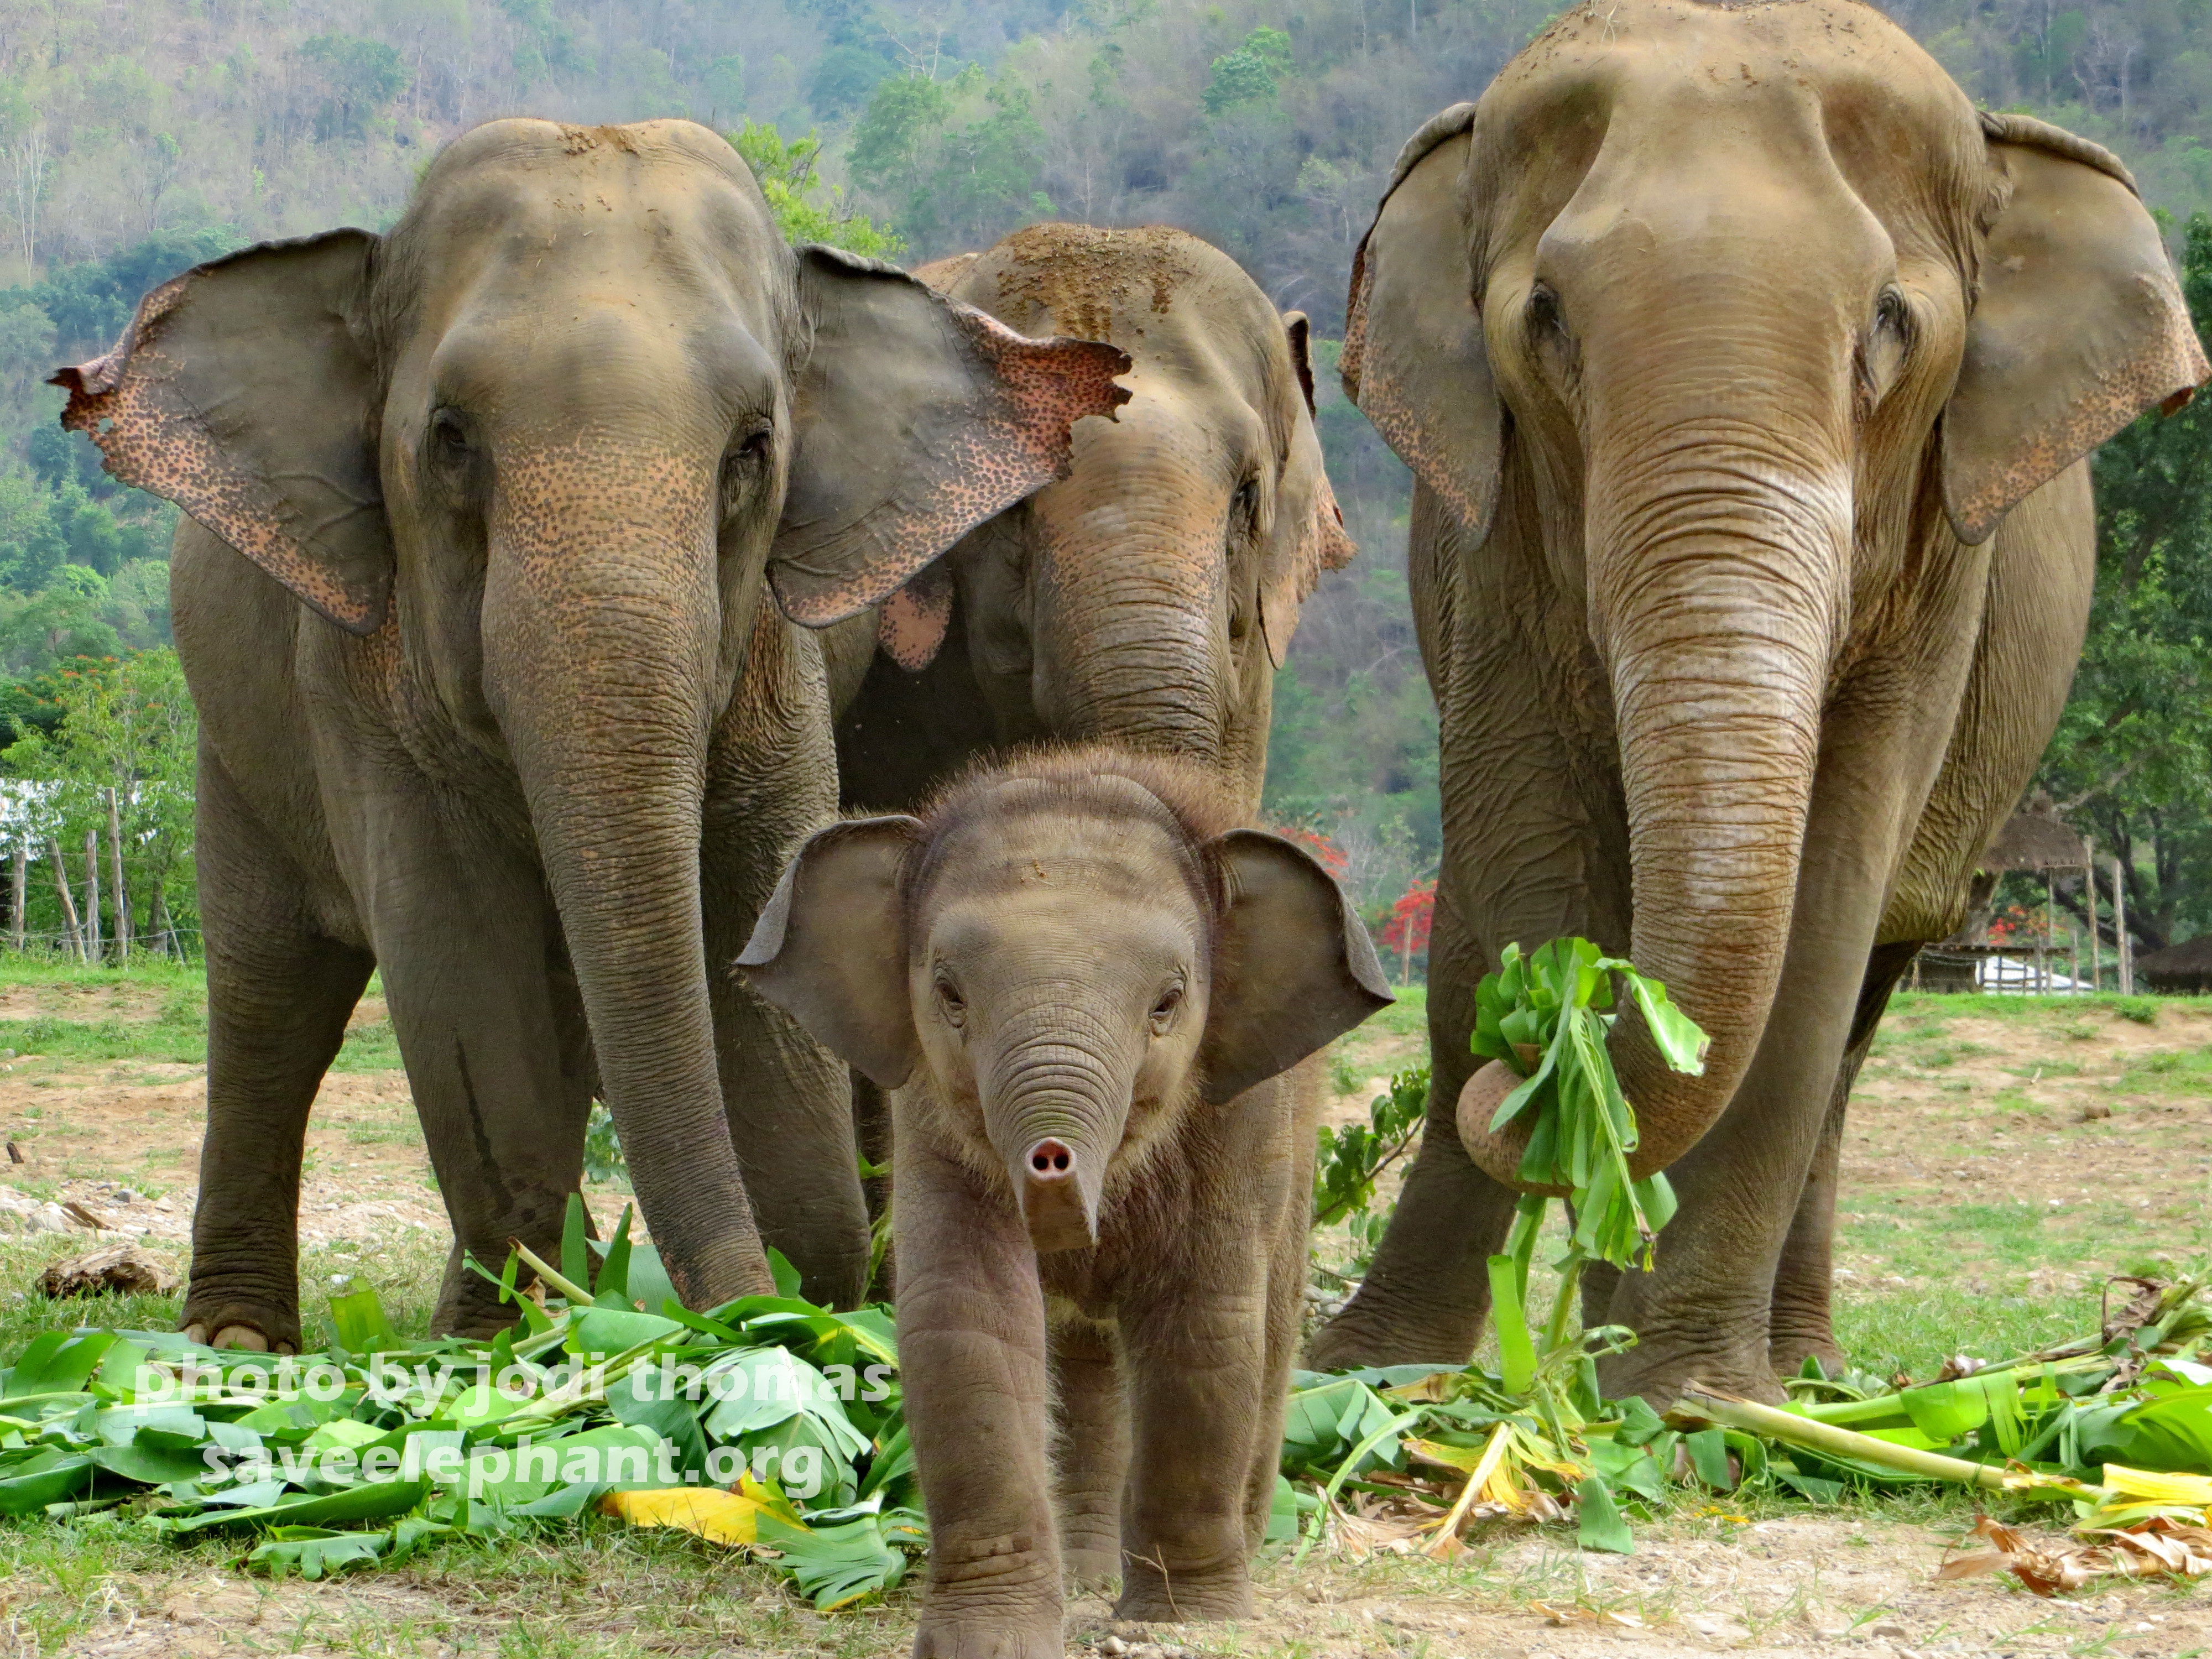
x=1148, y=597
x=1067, y=956
x=1759, y=351
x=538, y=447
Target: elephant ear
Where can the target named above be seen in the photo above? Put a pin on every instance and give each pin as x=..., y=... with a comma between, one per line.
x=2078, y=328
x=1293, y=968
x=918, y=417
x=244, y=391
x=1414, y=361
x=829, y=949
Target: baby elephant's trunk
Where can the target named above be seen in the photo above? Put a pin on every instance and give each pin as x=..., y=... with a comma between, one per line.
x=1058, y=1212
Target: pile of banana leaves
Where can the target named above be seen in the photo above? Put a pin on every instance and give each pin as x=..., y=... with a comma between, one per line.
x=767, y=1422
x=2117, y=1425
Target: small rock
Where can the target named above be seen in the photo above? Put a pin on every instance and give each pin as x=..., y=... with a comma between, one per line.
x=2094, y=1110
x=1889, y=1631
x=1114, y=1645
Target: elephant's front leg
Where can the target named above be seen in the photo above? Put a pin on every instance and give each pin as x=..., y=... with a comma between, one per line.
x=772, y=782
x=493, y=1036
x=972, y=1351
x=1197, y=1372
x=1091, y=1460
x=279, y=994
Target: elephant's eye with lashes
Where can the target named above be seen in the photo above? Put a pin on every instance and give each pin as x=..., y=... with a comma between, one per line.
x=950, y=1003
x=747, y=459
x=1883, y=351
x=1164, y=1011
x=1543, y=314
x=449, y=444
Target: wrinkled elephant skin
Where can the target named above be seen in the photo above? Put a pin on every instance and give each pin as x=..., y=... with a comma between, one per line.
x=1747, y=375
x=486, y=515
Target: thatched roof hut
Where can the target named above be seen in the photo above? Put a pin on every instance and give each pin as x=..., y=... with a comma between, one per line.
x=2035, y=841
x=2182, y=970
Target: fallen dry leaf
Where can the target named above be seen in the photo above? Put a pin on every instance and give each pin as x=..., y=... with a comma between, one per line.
x=2153, y=1548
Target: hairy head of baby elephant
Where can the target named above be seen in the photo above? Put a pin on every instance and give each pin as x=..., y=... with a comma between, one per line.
x=1088, y=987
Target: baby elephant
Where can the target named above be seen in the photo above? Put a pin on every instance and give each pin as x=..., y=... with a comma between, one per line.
x=1087, y=988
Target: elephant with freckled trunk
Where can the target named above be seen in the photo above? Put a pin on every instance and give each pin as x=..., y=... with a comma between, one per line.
x=475, y=600
x=1747, y=375
x=1150, y=596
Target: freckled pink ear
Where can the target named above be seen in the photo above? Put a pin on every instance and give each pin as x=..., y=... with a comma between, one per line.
x=244, y=391
x=910, y=627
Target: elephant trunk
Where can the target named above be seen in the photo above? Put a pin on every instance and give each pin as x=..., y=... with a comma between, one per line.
x=1127, y=586
x=603, y=631
x=1717, y=584
x=1054, y=1106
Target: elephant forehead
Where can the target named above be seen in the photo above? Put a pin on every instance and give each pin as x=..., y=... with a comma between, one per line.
x=1098, y=835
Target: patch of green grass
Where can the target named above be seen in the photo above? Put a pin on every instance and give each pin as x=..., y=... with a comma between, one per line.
x=373, y=1047
x=156, y=1039
x=1407, y=1016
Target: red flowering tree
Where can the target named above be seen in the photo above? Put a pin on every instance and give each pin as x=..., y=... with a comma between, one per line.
x=1407, y=930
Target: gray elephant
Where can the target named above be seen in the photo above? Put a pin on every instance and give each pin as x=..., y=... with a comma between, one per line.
x=1150, y=596
x=1089, y=990
x=1746, y=374
x=474, y=601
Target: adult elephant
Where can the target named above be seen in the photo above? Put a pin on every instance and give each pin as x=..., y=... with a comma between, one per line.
x=1746, y=374
x=1150, y=596
x=474, y=604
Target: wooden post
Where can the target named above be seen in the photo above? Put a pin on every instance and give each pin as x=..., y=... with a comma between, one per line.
x=115, y=869
x=2120, y=932
x=19, y=889
x=91, y=950
x=72, y=940
x=2096, y=938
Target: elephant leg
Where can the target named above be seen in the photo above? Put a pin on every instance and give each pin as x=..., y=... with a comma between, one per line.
x=1286, y=1283
x=279, y=994
x=972, y=1353
x=789, y=1101
x=1428, y=1292
x=1197, y=1357
x=1800, y=1323
x=1090, y=1450
x=497, y=1058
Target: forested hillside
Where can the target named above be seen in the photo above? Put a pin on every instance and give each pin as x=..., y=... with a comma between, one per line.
x=138, y=135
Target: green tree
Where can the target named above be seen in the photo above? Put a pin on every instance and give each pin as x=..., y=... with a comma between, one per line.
x=786, y=176
x=124, y=727
x=1250, y=72
x=359, y=77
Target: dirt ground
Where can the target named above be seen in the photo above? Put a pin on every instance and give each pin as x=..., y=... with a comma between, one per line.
x=1985, y=1148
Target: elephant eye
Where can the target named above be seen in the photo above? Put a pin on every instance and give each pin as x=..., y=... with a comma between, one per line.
x=1543, y=314
x=449, y=438
x=950, y=1002
x=1164, y=1010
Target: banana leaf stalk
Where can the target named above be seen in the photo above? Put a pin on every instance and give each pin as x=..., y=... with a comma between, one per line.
x=1772, y=1423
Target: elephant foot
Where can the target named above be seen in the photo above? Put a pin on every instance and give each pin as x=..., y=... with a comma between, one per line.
x=1090, y=1561
x=1661, y=1375
x=246, y=1330
x=980, y=1636
x=1787, y=1352
x=1369, y=1336
x=1150, y=1595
